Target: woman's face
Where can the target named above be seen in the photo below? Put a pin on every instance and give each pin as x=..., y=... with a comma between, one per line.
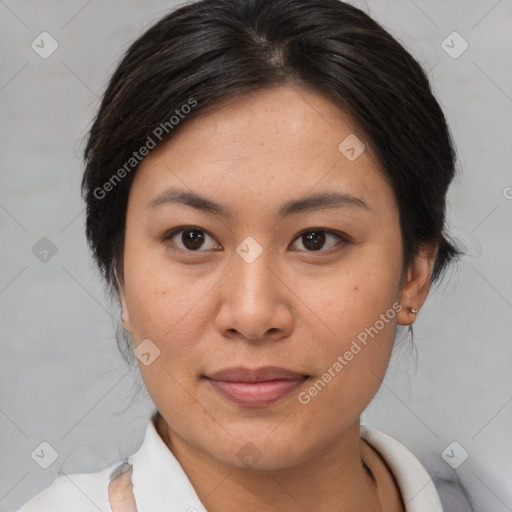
x=254, y=284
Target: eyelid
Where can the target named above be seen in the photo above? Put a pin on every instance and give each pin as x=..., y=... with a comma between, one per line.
x=344, y=238
x=173, y=231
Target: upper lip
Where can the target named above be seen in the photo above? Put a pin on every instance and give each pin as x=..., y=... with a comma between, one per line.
x=262, y=374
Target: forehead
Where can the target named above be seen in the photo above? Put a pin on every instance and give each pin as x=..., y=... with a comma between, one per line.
x=266, y=146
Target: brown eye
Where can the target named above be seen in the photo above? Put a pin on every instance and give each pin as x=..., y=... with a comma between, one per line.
x=191, y=238
x=315, y=239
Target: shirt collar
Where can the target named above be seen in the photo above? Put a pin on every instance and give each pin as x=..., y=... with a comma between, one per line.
x=416, y=486
x=159, y=481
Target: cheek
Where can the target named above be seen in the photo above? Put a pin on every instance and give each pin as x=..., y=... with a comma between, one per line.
x=352, y=356
x=353, y=295
x=356, y=314
x=161, y=296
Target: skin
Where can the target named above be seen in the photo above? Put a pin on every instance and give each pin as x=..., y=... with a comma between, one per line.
x=292, y=307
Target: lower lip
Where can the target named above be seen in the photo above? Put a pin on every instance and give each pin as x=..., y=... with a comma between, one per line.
x=255, y=394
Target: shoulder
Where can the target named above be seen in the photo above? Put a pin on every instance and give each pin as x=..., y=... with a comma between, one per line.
x=80, y=492
x=90, y=492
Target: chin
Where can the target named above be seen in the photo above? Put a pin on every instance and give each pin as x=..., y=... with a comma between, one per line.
x=272, y=453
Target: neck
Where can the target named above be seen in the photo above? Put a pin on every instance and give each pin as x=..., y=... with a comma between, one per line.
x=334, y=480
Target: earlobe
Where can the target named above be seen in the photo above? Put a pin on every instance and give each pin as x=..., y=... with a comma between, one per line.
x=125, y=316
x=407, y=315
x=417, y=284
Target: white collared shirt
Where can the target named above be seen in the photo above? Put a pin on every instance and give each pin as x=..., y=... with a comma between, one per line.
x=161, y=485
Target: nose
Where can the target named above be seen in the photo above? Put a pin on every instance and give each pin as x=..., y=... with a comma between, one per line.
x=255, y=303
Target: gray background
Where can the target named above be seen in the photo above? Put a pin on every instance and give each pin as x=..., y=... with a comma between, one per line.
x=62, y=378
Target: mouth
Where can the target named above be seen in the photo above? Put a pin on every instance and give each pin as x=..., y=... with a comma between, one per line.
x=255, y=388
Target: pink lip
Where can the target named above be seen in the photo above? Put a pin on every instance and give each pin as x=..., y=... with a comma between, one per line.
x=255, y=388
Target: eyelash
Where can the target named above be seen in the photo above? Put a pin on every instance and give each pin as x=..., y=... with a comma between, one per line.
x=343, y=237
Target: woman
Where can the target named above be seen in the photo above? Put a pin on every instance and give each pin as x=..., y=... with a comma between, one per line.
x=265, y=185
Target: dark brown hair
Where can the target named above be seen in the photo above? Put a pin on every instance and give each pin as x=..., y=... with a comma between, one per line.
x=206, y=52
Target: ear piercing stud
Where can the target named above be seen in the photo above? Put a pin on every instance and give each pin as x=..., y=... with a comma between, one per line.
x=413, y=311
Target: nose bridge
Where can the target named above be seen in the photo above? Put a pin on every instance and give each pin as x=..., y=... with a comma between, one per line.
x=251, y=275
x=252, y=296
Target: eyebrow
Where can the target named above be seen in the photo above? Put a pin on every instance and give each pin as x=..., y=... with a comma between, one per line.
x=320, y=201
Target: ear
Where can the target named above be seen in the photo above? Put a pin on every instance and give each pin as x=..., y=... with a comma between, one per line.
x=417, y=284
x=125, y=315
